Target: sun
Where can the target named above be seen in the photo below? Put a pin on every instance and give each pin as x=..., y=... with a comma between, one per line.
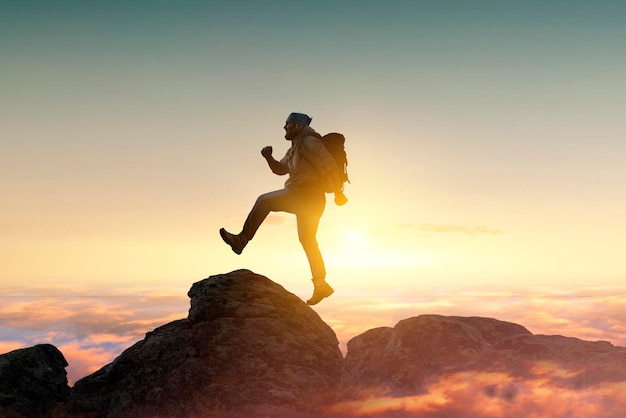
x=355, y=238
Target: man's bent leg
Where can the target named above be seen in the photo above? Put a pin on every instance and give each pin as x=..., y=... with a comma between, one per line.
x=279, y=200
x=255, y=218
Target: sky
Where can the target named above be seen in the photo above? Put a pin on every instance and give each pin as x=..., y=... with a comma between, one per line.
x=485, y=143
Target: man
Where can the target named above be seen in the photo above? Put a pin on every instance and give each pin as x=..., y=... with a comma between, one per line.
x=311, y=168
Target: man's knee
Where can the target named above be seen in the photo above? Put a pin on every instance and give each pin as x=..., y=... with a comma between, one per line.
x=271, y=201
x=261, y=203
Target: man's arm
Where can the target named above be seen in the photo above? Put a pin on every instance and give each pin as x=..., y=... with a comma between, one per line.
x=276, y=166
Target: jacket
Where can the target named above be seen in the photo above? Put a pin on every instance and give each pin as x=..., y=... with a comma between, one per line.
x=317, y=165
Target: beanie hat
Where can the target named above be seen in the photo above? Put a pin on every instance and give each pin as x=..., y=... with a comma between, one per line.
x=300, y=118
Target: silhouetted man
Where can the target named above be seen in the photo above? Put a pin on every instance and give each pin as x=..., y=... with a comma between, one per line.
x=311, y=168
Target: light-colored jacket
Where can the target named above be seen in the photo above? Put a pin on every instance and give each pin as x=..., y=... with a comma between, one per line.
x=317, y=165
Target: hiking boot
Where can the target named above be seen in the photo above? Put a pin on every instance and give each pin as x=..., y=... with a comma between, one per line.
x=237, y=242
x=321, y=290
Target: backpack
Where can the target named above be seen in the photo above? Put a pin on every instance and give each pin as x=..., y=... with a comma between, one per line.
x=334, y=143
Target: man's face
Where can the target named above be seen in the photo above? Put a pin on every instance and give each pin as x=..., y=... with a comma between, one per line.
x=292, y=130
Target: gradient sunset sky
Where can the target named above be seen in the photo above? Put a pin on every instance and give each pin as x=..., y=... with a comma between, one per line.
x=486, y=145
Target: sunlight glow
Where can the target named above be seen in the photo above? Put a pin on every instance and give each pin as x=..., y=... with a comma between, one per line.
x=354, y=238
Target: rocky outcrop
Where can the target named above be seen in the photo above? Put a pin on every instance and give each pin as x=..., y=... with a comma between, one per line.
x=32, y=381
x=399, y=361
x=434, y=365
x=248, y=348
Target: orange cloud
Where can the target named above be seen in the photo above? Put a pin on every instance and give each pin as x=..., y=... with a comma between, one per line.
x=84, y=360
x=89, y=328
x=6, y=346
x=427, y=229
x=98, y=326
x=495, y=395
x=590, y=314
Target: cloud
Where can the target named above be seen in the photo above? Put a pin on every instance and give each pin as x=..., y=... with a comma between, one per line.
x=427, y=229
x=487, y=395
x=6, y=346
x=85, y=359
x=97, y=326
x=90, y=328
x=277, y=219
x=434, y=230
x=593, y=314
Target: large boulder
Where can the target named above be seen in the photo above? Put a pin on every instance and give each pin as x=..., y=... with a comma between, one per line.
x=248, y=348
x=32, y=381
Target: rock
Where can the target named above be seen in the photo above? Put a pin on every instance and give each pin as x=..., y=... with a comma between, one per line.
x=433, y=365
x=397, y=361
x=248, y=348
x=581, y=363
x=32, y=381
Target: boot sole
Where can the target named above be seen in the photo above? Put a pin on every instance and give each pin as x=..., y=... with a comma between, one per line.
x=326, y=294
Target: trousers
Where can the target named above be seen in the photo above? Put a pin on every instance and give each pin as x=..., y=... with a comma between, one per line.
x=308, y=204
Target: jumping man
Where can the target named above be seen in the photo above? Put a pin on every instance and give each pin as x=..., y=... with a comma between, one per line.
x=311, y=168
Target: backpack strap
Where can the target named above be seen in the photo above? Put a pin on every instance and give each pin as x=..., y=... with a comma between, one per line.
x=324, y=179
